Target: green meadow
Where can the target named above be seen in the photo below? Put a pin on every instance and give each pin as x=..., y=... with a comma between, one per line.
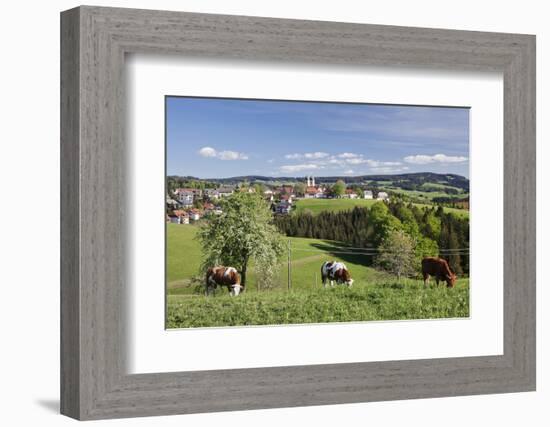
x=375, y=295
x=316, y=206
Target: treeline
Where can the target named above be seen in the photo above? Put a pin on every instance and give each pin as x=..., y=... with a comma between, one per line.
x=428, y=189
x=173, y=182
x=433, y=231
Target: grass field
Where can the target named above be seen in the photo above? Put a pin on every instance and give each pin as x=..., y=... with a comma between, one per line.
x=374, y=296
x=316, y=206
x=425, y=196
x=377, y=301
x=183, y=262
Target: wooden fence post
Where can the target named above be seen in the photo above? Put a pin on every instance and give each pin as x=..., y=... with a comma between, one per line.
x=289, y=278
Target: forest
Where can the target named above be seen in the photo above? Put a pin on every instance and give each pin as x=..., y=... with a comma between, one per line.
x=433, y=231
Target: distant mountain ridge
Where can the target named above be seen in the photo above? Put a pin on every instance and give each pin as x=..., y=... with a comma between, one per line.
x=417, y=178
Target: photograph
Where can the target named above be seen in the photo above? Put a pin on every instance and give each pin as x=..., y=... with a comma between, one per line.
x=283, y=212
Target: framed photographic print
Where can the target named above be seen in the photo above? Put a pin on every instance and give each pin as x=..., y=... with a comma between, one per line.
x=349, y=208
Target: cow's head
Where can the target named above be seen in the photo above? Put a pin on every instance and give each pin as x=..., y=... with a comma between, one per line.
x=346, y=276
x=451, y=280
x=236, y=290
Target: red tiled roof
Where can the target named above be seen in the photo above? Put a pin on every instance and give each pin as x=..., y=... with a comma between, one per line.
x=312, y=190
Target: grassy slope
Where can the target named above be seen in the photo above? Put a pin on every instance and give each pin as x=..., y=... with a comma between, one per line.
x=318, y=205
x=428, y=196
x=374, y=296
x=183, y=256
x=389, y=301
x=183, y=253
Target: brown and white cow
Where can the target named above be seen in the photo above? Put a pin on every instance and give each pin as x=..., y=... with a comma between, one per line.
x=335, y=272
x=438, y=268
x=223, y=276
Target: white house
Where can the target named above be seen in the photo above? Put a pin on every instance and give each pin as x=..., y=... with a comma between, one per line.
x=212, y=193
x=314, y=193
x=225, y=191
x=382, y=195
x=350, y=194
x=321, y=194
x=179, y=218
x=284, y=207
x=367, y=194
x=194, y=215
x=310, y=192
x=185, y=197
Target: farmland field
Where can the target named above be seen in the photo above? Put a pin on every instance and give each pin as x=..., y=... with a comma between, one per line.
x=316, y=206
x=374, y=296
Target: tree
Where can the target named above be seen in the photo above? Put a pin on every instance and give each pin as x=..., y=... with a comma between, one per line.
x=242, y=233
x=453, y=233
x=396, y=254
x=382, y=222
x=299, y=188
x=431, y=225
x=339, y=188
x=259, y=187
x=424, y=247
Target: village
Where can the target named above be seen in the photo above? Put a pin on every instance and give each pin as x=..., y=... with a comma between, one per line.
x=189, y=205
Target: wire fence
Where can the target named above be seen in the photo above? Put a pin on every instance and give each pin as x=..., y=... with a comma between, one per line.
x=368, y=252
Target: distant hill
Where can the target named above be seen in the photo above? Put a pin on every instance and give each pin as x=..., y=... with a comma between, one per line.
x=405, y=180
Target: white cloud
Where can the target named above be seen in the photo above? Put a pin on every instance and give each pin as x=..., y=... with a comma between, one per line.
x=298, y=168
x=389, y=169
x=207, y=152
x=358, y=159
x=309, y=156
x=345, y=161
x=222, y=155
x=390, y=163
x=316, y=155
x=422, y=159
x=232, y=155
x=348, y=155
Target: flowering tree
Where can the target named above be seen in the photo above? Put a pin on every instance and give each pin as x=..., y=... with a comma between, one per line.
x=242, y=233
x=397, y=254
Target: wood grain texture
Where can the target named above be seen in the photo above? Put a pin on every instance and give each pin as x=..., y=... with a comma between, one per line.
x=94, y=381
x=70, y=292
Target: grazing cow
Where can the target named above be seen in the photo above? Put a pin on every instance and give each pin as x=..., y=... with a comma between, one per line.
x=223, y=276
x=438, y=268
x=335, y=271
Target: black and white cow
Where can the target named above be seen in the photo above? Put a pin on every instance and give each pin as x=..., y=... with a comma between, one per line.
x=335, y=272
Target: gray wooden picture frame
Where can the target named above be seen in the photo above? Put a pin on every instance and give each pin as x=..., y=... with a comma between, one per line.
x=94, y=381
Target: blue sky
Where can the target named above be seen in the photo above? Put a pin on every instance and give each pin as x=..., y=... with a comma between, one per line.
x=220, y=138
